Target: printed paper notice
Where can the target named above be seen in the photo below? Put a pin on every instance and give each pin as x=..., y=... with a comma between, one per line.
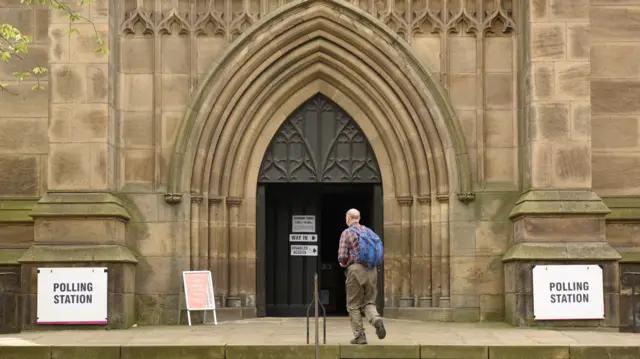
x=304, y=224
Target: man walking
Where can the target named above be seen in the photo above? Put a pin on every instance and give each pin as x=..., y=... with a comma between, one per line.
x=360, y=251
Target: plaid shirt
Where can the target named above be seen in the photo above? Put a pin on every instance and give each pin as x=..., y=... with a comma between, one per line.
x=348, y=249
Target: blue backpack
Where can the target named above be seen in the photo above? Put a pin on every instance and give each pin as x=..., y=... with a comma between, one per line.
x=371, y=250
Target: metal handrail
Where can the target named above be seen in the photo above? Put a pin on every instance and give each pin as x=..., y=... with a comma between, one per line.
x=316, y=302
x=634, y=298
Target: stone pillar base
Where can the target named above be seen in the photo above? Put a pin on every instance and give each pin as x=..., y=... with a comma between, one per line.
x=518, y=266
x=81, y=230
x=118, y=260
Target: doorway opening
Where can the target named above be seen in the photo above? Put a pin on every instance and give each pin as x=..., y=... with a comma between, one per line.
x=289, y=276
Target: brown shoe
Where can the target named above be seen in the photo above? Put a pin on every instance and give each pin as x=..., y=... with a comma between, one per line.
x=360, y=339
x=381, y=332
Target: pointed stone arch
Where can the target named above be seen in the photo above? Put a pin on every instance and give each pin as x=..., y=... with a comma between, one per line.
x=334, y=48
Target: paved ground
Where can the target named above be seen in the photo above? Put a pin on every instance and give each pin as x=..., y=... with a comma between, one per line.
x=293, y=331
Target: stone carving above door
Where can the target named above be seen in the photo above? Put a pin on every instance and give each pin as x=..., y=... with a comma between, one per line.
x=230, y=18
x=319, y=142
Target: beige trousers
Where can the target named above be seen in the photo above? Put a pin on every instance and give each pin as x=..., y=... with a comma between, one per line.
x=361, y=288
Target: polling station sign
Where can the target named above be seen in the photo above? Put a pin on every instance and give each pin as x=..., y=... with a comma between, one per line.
x=564, y=292
x=72, y=296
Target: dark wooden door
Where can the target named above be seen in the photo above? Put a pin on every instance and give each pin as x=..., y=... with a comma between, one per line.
x=289, y=278
x=318, y=145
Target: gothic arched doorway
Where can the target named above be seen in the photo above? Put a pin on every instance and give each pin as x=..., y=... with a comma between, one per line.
x=317, y=166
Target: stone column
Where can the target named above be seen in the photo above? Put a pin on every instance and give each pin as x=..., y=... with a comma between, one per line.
x=558, y=218
x=79, y=221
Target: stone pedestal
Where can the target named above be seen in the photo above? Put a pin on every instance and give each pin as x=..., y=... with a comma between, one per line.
x=81, y=230
x=557, y=227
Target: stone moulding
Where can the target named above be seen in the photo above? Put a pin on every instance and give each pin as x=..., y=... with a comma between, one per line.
x=215, y=108
x=78, y=254
x=80, y=205
x=599, y=251
x=555, y=202
x=16, y=210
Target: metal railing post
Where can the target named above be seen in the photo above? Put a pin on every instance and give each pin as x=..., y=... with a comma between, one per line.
x=317, y=306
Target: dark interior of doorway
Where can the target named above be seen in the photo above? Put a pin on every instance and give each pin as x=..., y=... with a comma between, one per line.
x=288, y=280
x=336, y=201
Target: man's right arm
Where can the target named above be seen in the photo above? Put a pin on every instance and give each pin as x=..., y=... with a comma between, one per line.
x=343, y=250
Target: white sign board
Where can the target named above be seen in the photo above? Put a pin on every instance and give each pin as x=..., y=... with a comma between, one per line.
x=305, y=224
x=303, y=238
x=72, y=296
x=304, y=250
x=562, y=292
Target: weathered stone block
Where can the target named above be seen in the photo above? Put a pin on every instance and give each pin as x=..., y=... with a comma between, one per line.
x=80, y=231
x=453, y=352
x=581, y=120
x=379, y=351
x=160, y=275
x=463, y=91
x=616, y=174
x=137, y=129
x=624, y=28
x=492, y=238
x=209, y=48
x=19, y=175
x=469, y=119
x=578, y=42
x=614, y=132
x=138, y=165
x=175, y=92
x=171, y=352
x=24, y=135
x=542, y=352
x=78, y=123
x=572, y=80
x=98, y=83
x=427, y=49
x=572, y=165
x=25, y=352
x=462, y=54
x=578, y=352
x=548, y=41
x=92, y=352
x=550, y=121
x=615, y=60
x=282, y=352
x=569, y=10
x=59, y=39
x=543, y=80
x=82, y=44
x=175, y=55
x=499, y=90
x=27, y=103
x=131, y=98
x=498, y=54
x=136, y=55
x=500, y=164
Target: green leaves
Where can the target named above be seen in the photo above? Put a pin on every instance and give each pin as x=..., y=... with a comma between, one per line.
x=15, y=46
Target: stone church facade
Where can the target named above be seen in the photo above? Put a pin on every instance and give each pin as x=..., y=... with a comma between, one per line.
x=491, y=135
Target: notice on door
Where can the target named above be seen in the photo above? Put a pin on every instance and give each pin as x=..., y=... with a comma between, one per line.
x=562, y=292
x=304, y=224
x=304, y=250
x=303, y=238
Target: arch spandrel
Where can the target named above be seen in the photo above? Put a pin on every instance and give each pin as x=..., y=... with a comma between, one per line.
x=219, y=92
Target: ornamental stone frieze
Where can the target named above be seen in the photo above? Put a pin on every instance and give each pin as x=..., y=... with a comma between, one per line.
x=230, y=18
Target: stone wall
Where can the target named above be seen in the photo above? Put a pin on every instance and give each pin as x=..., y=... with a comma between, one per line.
x=23, y=132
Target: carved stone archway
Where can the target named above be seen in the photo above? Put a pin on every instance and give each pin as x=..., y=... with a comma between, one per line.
x=333, y=48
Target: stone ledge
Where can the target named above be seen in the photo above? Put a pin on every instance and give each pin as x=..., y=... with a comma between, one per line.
x=182, y=351
x=16, y=210
x=72, y=253
x=545, y=202
x=102, y=204
x=598, y=251
x=11, y=256
x=623, y=208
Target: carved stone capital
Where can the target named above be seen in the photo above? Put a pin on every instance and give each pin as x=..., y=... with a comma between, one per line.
x=196, y=198
x=234, y=201
x=215, y=200
x=442, y=197
x=424, y=199
x=466, y=197
x=173, y=198
x=405, y=200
